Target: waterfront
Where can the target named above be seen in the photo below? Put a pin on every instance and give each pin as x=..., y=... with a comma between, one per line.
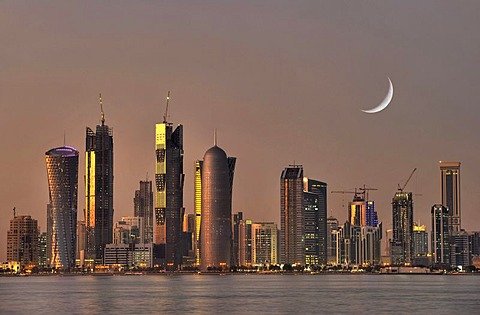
x=240, y=294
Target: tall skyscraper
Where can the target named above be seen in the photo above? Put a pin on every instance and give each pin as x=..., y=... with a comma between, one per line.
x=22, y=240
x=292, y=220
x=332, y=227
x=169, y=181
x=216, y=217
x=264, y=244
x=315, y=220
x=98, y=189
x=198, y=209
x=450, y=189
x=440, y=234
x=62, y=172
x=143, y=207
x=401, y=245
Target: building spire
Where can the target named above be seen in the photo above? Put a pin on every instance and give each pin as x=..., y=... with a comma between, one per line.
x=64, y=138
x=102, y=114
x=215, y=137
x=166, y=109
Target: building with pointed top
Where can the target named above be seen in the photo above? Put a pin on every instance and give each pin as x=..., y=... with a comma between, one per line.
x=98, y=190
x=216, y=212
x=169, y=182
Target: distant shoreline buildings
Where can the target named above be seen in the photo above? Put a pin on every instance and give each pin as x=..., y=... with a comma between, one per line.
x=159, y=234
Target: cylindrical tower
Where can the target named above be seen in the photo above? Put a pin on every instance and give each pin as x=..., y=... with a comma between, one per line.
x=62, y=172
x=216, y=225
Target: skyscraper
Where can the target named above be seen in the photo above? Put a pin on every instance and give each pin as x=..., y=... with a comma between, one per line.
x=332, y=227
x=22, y=240
x=401, y=245
x=62, y=172
x=315, y=220
x=450, y=189
x=98, y=189
x=440, y=234
x=143, y=207
x=198, y=209
x=216, y=217
x=292, y=221
x=169, y=181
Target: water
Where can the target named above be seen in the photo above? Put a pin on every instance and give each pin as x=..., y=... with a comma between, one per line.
x=241, y=294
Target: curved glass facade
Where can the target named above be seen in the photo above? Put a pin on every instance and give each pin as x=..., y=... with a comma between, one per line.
x=62, y=172
x=216, y=222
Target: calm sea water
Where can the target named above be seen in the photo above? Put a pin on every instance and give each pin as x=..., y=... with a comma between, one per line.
x=241, y=294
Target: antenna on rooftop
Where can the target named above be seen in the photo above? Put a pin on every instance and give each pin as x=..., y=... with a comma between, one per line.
x=64, y=138
x=166, y=108
x=215, y=136
x=102, y=114
x=14, y=212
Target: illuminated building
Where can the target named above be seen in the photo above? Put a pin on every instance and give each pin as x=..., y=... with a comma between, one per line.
x=216, y=217
x=420, y=240
x=42, y=250
x=198, y=209
x=242, y=240
x=292, y=221
x=401, y=246
x=315, y=221
x=450, y=190
x=169, y=181
x=62, y=172
x=80, y=247
x=357, y=211
x=143, y=208
x=245, y=240
x=129, y=230
x=440, y=235
x=264, y=244
x=129, y=255
x=358, y=245
x=332, y=226
x=22, y=240
x=98, y=190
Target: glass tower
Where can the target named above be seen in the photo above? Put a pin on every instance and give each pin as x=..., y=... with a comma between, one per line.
x=450, y=188
x=169, y=181
x=62, y=172
x=402, y=243
x=216, y=218
x=198, y=209
x=292, y=221
x=143, y=207
x=98, y=190
x=440, y=234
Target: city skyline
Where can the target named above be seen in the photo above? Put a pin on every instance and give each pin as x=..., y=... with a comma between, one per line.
x=309, y=66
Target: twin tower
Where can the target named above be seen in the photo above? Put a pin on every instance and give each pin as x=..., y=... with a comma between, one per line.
x=213, y=201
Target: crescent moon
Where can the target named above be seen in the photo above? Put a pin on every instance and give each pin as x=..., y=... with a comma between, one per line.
x=385, y=101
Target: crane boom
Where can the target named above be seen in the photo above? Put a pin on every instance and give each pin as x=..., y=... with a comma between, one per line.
x=410, y=177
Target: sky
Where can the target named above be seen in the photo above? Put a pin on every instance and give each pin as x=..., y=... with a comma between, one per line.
x=282, y=81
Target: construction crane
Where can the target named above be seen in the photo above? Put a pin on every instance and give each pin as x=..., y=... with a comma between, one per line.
x=343, y=192
x=401, y=188
x=365, y=190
